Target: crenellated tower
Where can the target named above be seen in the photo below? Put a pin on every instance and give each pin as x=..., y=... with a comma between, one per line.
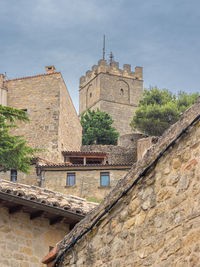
x=113, y=90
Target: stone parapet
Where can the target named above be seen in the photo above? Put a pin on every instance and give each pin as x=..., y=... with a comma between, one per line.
x=113, y=68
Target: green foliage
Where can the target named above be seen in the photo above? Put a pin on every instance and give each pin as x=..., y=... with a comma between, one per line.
x=14, y=153
x=97, y=128
x=158, y=109
x=94, y=199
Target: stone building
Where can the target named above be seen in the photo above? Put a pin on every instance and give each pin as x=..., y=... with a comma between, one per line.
x=112, y=90
x=33, y=220
x=55, y=127
x=90, y=173
x=152, y=216
x=54, y=124
x=85, y=174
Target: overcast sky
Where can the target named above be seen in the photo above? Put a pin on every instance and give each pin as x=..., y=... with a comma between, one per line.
x=162, y=36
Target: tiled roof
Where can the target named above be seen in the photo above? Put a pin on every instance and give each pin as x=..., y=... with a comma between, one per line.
x=143, y=166
x=89, y=153
x=46, y=197
x=68, y=164
x=34, y=76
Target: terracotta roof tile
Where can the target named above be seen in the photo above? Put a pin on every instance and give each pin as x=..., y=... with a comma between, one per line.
x=89, y=153
x=68, y=164
x=47, y=197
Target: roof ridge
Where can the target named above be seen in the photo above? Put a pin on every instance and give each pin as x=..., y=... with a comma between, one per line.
x=34, y=76
x=66, y=164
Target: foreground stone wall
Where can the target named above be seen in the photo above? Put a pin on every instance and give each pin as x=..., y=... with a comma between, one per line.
x=23, y=242
x=87, y=183
x=157, y=223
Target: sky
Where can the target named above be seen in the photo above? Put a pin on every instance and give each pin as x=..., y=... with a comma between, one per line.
x=162, y=36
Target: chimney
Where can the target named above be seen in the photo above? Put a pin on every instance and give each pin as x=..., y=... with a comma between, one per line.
x=50, y=69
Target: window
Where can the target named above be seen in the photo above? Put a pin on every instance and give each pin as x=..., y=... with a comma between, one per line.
x=13, y=175
x=71, y=179
x=105, y=179
x=121, y=91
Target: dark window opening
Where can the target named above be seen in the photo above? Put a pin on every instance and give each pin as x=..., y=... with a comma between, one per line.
x=105, y=179
x=76, y=160
x=71, y=179
x=90, y=94
x=121, y=91
x=13, y=175
x=94, y=160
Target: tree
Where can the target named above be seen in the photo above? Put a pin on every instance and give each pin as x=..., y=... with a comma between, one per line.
x=97, y=128
x=14, y=152
x=158, y=109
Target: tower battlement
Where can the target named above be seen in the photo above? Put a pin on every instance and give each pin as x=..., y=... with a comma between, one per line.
x=113, y=69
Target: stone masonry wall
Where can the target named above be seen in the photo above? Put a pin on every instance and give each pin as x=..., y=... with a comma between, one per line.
x=144, y=144
x=54, y=124
x=70, y=130
x=24, y=242
x=130, y=140
x=157, y=223
x=87, y=182
x=40, y=96
x=121, y=114
x=23, y=178
x=116, y=154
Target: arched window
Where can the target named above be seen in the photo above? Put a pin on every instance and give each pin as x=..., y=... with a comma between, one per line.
x=121, y=91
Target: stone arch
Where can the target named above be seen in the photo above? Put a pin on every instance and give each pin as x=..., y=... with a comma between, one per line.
x=123, y=91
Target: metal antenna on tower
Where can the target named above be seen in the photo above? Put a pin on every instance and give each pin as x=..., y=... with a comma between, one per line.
x=104, y=44
x=111, y=57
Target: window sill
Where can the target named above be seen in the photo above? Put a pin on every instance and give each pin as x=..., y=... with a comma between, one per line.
x=104, y=187
x=70, y=186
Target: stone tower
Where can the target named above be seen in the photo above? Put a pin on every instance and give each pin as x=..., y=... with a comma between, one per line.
x=112, y=90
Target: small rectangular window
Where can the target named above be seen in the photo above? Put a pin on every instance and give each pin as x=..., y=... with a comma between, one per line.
x=71, y=179
x=13, y=175
x=105, y=179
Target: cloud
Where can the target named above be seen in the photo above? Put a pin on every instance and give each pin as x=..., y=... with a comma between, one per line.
x=162, y=36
